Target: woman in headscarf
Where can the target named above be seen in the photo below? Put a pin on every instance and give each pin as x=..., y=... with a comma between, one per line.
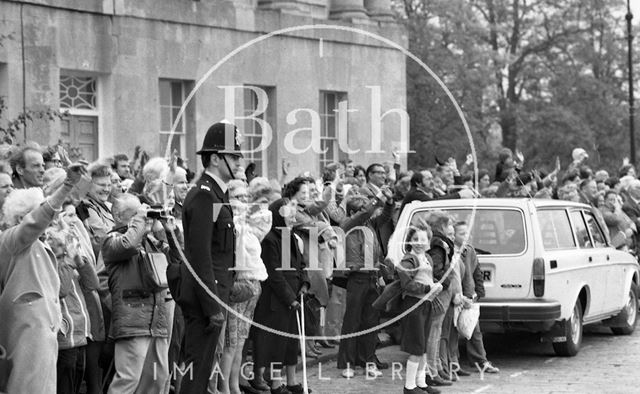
x=280, y=300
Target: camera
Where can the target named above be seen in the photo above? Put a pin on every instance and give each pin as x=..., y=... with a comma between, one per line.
x=157, y=212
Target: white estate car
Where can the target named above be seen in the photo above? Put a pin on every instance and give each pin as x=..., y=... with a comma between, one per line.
x=548, y=267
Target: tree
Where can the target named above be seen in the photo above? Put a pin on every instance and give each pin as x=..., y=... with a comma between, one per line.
x=537, y=70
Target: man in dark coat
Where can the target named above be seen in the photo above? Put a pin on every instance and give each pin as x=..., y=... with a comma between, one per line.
x=209, y=247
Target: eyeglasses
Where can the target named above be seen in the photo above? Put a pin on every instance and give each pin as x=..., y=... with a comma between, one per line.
x=379, y=172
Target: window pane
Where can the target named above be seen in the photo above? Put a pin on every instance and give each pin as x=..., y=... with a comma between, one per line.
x=77, y=92
x=495, y=231
x=176, y=143
x=581, y=230
x=165, y=119
x=176, y=93
x=258, y=163
x=555, y=229
x=165, y=93
x=331, y=102
x=174, y=116
x=331, y=126
x=596, y=232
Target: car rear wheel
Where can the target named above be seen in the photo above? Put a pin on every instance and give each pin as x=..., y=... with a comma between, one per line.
x=629, y=314
x=572, y=330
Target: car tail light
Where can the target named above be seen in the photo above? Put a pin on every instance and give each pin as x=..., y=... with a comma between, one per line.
x=538, y=277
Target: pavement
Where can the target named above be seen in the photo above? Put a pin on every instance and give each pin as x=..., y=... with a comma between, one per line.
x=605, y=364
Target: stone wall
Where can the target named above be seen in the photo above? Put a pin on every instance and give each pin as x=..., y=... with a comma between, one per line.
x=130, y=44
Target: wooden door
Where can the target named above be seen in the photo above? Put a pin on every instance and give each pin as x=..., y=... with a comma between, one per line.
x=80, y=135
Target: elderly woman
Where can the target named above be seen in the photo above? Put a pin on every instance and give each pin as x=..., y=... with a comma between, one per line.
x=155, y=174
x=262, y=191
x=252, y=223
x=29, y=287
x=177, y=179
x=95, y=210
x=279, y=301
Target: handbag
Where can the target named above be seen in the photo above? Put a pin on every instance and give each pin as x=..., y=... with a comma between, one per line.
x=467, y=320
x=241, y=291
x=154, y=265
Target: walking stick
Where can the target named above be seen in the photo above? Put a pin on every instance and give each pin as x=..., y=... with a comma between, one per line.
x=302, y=344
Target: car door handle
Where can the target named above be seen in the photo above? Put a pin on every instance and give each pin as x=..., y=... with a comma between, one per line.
x=590, y=259
x=607, y=257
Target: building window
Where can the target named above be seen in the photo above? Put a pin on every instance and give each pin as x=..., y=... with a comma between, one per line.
x=172, y=95
x=79, y=128
x=329, y=126
x=78, y=92
x=252, y=132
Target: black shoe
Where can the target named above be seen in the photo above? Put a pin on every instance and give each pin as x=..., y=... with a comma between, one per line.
x=415, y=390
x=430, y=390
x=281, y=390
x=446, y=376
x=297, y=389
x=325, y=344
x=437, y=381
x=259, y=385
x=462, y=372
x=380, y=364
x=250, y=390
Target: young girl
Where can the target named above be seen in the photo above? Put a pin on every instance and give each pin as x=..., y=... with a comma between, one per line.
x=416, y=278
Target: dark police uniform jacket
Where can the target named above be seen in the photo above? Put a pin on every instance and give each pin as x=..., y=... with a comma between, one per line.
x=209, y=242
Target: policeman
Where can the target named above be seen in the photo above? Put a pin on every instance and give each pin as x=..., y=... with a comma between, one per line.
x=209, y=247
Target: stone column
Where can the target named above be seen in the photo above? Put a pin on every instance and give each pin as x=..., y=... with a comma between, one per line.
x=347, y=9
x=379, y=9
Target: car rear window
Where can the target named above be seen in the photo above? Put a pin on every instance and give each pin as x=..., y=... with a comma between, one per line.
x=494, y=231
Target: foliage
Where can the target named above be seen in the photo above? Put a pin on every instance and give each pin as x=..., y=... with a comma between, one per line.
x=11, y=128
x=540, y=71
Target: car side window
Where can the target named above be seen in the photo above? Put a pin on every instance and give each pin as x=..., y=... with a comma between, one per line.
x=596, y=231
x=556, y=229
x=581, y=230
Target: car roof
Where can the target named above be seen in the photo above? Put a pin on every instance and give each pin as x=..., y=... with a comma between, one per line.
x=498, y=202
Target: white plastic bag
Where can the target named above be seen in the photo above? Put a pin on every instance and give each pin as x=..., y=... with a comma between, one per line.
x=467, y=320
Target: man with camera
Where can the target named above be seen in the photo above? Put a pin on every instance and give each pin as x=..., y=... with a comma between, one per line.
x=209, y=240
x=139, y=323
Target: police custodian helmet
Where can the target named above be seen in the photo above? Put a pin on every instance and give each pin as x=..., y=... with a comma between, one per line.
x=214, y=140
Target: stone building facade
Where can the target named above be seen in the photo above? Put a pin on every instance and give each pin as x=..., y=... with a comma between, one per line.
x=122, y=70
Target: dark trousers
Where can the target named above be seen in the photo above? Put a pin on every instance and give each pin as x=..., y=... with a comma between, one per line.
x=70, y=369
x=475, y=348
x=199, y=350
x=93, y=372
x=359, y=315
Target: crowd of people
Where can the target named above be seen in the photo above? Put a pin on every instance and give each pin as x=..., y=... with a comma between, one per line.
x=117, y=274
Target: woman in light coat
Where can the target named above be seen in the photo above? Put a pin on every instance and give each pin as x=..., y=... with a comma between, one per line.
x=29, y=287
